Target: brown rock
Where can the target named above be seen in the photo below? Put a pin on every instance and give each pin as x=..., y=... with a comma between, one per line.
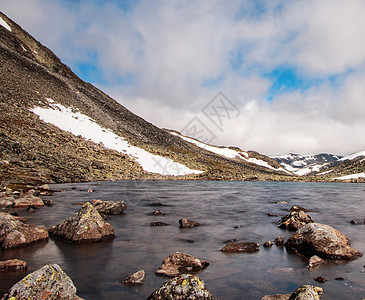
x=315, y=262
x=295, y=220
x=7, y=202
x=320, y=279
x=13, y=265
x=276, y=297
x=323, y=241
x=184, y=223
x=28, y=200
x=14, y=233
x=298, y=208
x=307, y=292
x=86, y=225
x=268, y=244
x=158, y=224
x=109, y=207
x=241, y=247
x=178, y=263
x=279, y=241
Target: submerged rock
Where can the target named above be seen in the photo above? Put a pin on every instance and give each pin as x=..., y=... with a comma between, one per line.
x=50, y=282
x=86, y=225
x=177, y=263
x=183, y=287
x=15, y=233
x=323, y=241
x=295, y=220
x=184, y=223
x=109, y=207
x=307, y=292
x=13, y=265
x=135, y=278
x=158, y=224
x=241, y=247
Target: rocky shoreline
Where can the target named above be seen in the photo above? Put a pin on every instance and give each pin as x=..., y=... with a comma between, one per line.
x=317, y=242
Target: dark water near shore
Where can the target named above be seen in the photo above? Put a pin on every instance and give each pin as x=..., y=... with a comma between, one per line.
x=97, y=269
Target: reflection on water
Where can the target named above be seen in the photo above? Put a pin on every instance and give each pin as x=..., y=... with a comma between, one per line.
x=226, y=210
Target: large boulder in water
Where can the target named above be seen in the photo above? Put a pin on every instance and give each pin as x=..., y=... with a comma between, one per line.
x=183, y=287
x=177, y=263
x=15, y=233
x=321, y=240
x=50, y=282
x=86, y=225
x=109, y=207
x=295, y=220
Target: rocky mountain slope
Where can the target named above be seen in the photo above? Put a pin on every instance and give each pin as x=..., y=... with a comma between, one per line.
x=35, y=84
x=301, y=164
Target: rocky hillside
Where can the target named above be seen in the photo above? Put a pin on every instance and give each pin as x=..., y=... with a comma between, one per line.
x=35, y=85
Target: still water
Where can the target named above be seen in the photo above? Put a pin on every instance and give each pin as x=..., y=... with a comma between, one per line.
x=227, y=210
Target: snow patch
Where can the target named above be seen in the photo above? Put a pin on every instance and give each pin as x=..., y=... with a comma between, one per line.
x=229, y=153
x=352, y=176
x=4, y=24
x=353, y=156
x=325, y=172
x=79, y=124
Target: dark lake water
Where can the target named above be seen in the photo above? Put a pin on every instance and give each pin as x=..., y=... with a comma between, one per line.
x=97, y=269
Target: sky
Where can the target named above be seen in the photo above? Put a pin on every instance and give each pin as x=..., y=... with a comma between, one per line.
x=272, y=76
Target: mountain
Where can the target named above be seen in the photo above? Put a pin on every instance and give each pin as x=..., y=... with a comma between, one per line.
x=301, y=164
x=54, y=127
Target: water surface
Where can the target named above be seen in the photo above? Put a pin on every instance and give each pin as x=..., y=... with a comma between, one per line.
x=227, y=210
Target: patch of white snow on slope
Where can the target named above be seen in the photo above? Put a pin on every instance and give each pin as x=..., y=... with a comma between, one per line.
x=79, y=124
x=353, y=156
x=4, y=24
x=229, y=153
x=352, y=176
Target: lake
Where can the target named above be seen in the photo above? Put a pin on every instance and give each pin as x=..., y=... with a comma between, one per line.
x=226, y=210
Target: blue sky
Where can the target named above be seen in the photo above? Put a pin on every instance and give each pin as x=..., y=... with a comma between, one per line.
x=295, y=69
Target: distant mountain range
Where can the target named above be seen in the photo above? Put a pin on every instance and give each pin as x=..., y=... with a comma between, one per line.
x=54, y=127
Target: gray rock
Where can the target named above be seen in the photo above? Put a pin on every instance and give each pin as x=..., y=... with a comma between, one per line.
x=295, y=220
x=177, y=263
x=109, y=207
x=86, y=225
x=183, y=287
x=307, y=292
x=241, y=247
x=15, y=233
x=50, y=282
x=184, y=223
x=315, y=262
x=323, y=241
x=135, y=278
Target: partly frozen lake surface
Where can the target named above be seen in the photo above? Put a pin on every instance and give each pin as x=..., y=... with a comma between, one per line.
x=97, y=269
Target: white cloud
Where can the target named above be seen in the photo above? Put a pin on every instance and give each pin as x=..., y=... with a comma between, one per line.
x=178, y=55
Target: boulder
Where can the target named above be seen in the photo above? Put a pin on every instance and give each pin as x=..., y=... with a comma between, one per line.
x=15, y=233
x=13, y=265
x=241, y=247
x=7, y=202
x=184, y=223
x=109, y=207
x=177, y=263
x=321, y=240
x=295, y=220
x=307, y=292
x=279, y=241
x=298, y=208
x=28, y=200
x=135, y=278
x=86, y=225
x=50, y=282
x=276, y=297
x=183, y=287
x=268, y=244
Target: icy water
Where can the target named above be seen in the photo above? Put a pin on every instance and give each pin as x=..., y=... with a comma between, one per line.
x=227, y=210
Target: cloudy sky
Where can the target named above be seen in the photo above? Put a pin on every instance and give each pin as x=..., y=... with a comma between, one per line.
x=292, y=73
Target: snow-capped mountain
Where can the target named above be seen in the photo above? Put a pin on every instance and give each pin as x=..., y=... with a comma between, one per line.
x=301, y=164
